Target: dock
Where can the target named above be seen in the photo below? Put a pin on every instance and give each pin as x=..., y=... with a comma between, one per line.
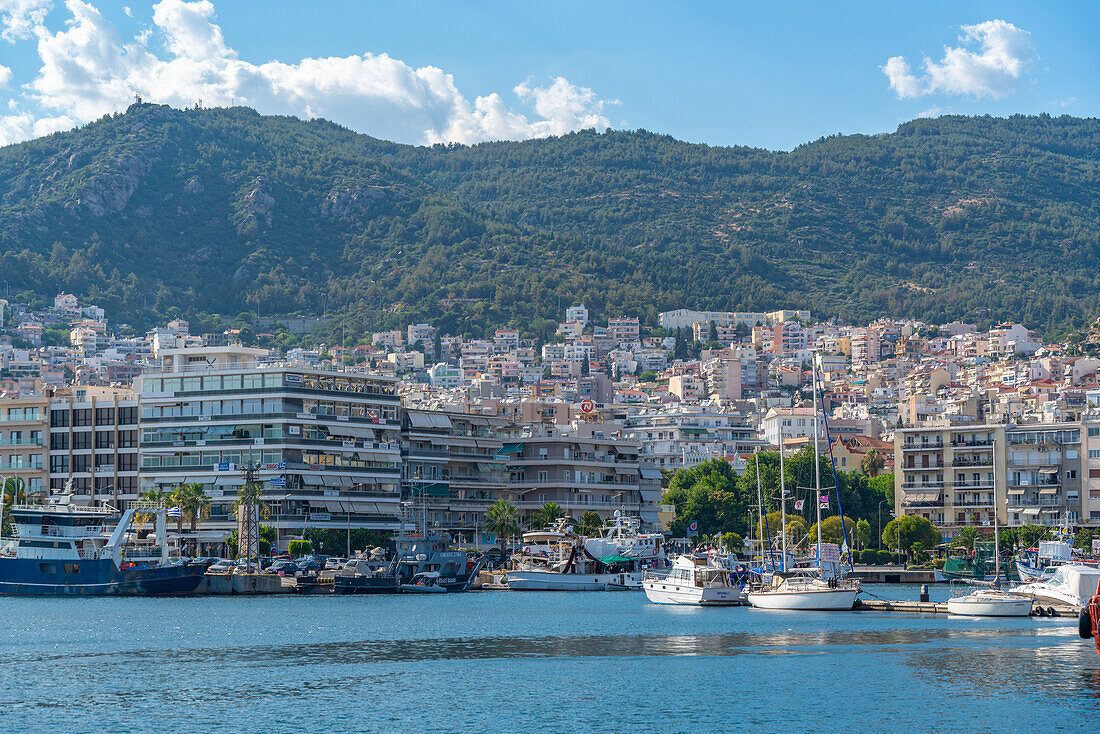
x=935, y=607
x=894, y=575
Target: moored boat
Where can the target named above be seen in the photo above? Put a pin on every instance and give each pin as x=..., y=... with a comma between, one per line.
x=64, y=549
x=693, y=579
x=1072, y=584
x=990, y=603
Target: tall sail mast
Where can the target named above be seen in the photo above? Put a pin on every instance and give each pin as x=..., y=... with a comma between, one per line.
x=817, y=469
x=783, y=495
x=760, y=499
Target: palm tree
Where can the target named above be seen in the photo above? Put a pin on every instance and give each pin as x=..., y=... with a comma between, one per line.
x=501, y=519
x=966, y=539
x=154, y=495
x=193, y=503
x=546, y=515
x=873, y=463
x=13, y=494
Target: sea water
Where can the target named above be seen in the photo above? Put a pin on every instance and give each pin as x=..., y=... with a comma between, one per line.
x=531, y=662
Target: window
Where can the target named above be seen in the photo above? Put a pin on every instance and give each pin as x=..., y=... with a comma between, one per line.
x=127, y=439
x=543, y=476
x=72, y=568
x=1071, y=474
x=82, y=417
x=60, y=418
x=1094, y=473
x=59, y=464
x=1094, y=431
x=59, y=441
x=47, y=567
x=82, y=440
x=104, y=416
x=80, y=463
x=104, y=439
x=1094, y=453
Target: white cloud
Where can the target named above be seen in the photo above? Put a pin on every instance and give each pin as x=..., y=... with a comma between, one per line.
x=933, y=111
x=20, y=18
x=993, y=58
x=5, y=76
x=87, y=71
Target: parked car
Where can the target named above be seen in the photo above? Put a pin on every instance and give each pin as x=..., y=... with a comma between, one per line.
x=308, y=566
x=222, y=566
x=286, y=568
x=335, y=564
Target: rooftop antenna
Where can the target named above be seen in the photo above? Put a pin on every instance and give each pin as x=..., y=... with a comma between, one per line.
x=137, y=98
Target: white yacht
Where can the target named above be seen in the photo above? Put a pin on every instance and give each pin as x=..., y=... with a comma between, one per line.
x=1072, y=584
x=804, y=590
x=990, y=603
x=693, y=579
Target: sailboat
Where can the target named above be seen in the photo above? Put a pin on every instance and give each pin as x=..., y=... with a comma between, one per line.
x=991, y=602
x=810, y=589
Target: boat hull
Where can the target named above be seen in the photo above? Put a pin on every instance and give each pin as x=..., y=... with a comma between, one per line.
x=550, y=581
x=815, y=600
x=964, y=606
x=37, y=577
x=665, y=593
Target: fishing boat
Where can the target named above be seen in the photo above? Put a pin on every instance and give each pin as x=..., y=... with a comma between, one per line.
x=823, y=588
x=623, y=538
x=65, y=549
x=558, y=559
x=991, y=602
x=1073, y=584
x=693, y=579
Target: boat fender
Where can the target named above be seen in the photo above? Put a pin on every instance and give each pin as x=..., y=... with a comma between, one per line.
x=1050, y=611
x=1040, y=612
x=1084, y=624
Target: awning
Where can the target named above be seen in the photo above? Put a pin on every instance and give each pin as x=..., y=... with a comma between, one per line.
x=488, y=467
x=1049, y=490
x=922, y=496
x=651, y=473
x=314, y=479
x=692, y=430
x=428, y=420
x=355, y=432
x=1016, y=490
x=651, y=517
x=511, y=448
x=337, y=481
x=614, y=559
x=651, y=495
x=228, y=482
x=1031, y=512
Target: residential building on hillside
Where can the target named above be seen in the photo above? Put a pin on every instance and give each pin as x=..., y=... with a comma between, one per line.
x=685, y=437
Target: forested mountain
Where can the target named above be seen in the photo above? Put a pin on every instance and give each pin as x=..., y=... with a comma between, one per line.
x=156, y=212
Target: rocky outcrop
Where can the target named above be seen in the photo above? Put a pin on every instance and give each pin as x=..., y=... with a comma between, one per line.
x=352, y=202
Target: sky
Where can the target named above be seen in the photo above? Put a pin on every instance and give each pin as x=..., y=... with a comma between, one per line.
x=771, y=75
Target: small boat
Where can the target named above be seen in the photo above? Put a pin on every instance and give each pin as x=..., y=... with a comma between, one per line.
x=1072, y=584
x=693, y=579
x=990, y=603
x=426, y=582
x=623, y=538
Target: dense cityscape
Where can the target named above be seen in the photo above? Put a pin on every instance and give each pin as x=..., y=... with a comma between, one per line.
x=974, y=425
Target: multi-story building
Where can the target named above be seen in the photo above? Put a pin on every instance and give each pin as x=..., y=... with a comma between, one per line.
x=581, y=468
x=452, y=467
x=93, y=437
x=722, y=378
x=1044, y=474
x=675, y=439
x=23, y=442
x=624, y=330
x=324, y=445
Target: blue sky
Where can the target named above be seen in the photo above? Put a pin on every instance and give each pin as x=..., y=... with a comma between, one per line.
x=763, y=74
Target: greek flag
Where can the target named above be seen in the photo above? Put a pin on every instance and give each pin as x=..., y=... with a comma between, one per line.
x=176, y=511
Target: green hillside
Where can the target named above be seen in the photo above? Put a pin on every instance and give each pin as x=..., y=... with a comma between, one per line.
x=158, y=212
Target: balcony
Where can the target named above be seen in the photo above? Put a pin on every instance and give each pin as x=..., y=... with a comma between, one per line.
x=930, y=446
x=976, y=444
x=982, y=484
x=927, y=467
x=923, y=486
x=984, y=462
x=21, y=442
x=974, y=503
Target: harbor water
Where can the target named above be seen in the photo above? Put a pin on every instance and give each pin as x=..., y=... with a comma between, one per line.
x=531, y=662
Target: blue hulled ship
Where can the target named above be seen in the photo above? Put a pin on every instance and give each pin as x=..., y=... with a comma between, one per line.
x=64, y=549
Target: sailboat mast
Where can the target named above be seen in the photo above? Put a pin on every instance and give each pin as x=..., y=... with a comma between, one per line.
x=996, y=521
x=817, y=459
x=783, y=495
x=760, y=500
